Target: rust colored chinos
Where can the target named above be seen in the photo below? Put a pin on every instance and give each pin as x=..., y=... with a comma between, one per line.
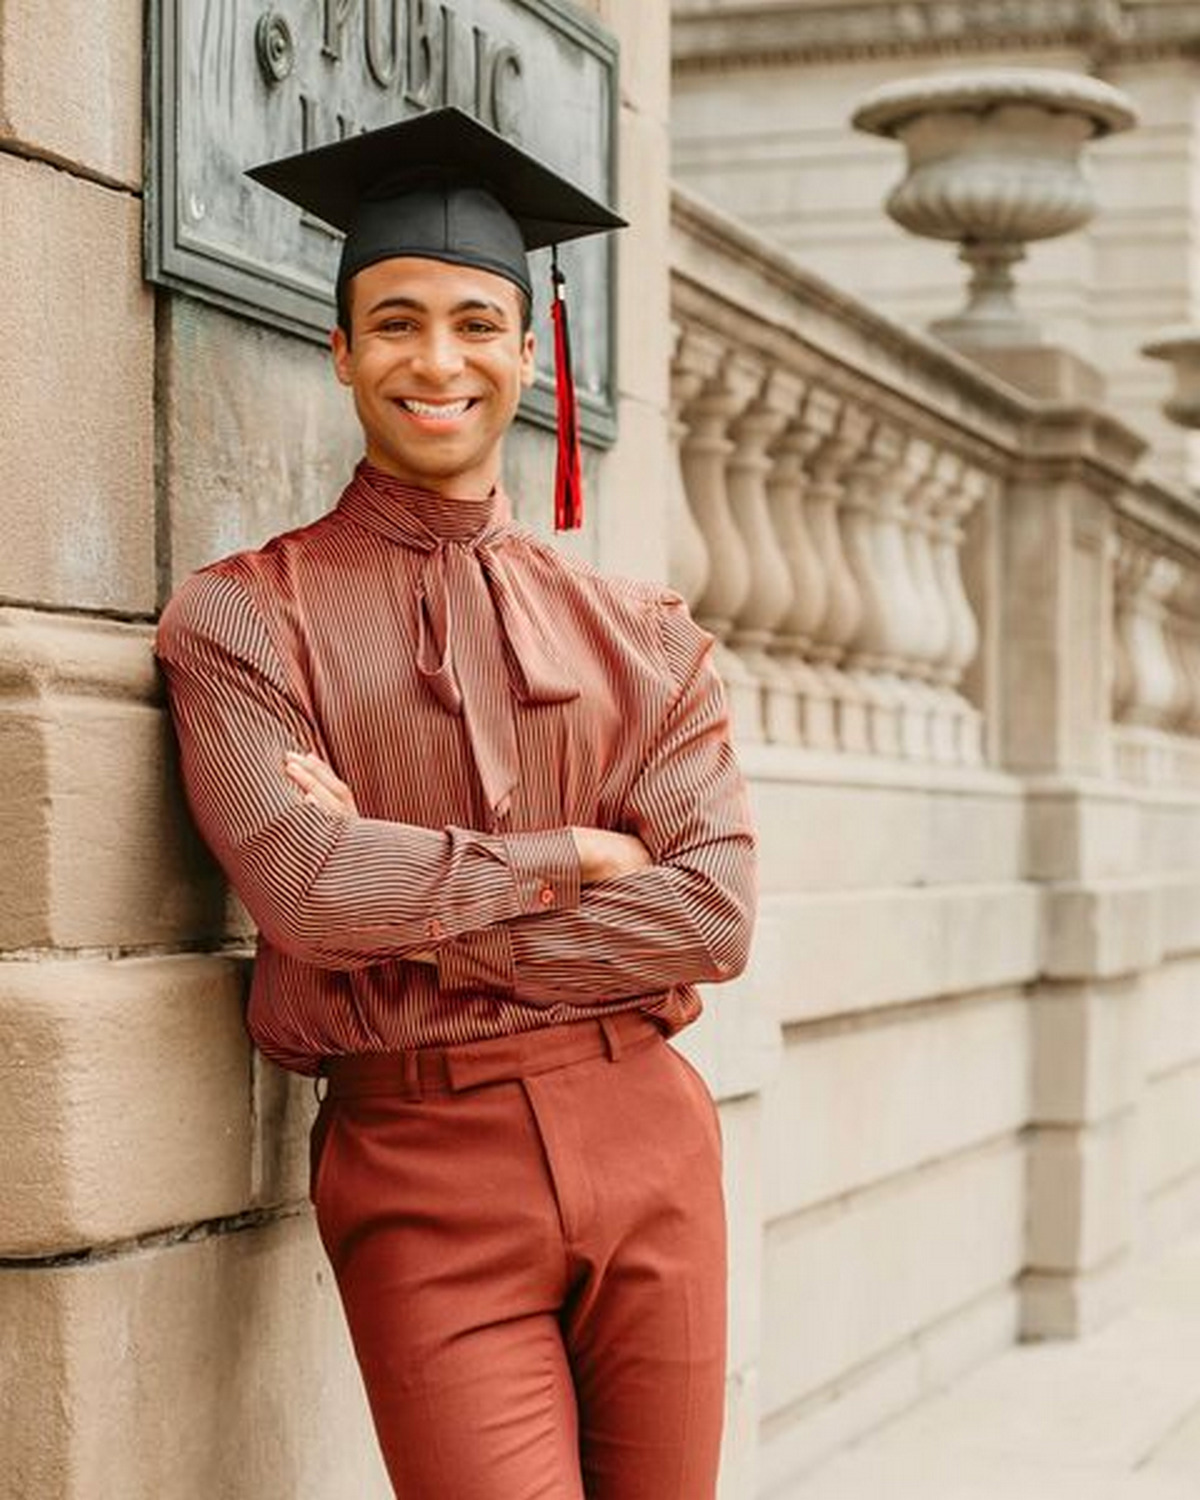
x=528, y=1237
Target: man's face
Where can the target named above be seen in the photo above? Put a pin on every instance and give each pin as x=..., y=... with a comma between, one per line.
x=436, y=361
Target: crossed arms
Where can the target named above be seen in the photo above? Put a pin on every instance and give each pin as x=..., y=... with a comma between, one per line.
x=546, y=916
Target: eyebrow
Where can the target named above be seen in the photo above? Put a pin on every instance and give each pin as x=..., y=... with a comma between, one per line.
x=414, y=304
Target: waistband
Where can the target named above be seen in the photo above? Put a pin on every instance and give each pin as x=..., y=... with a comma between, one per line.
x=420, y=1071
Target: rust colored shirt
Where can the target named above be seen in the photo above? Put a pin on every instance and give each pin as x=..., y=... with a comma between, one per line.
x=480, y=693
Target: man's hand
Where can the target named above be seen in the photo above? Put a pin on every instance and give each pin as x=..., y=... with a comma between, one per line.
x=319, y=785
x=605, y=855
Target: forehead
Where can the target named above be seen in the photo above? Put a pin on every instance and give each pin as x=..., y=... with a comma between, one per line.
x=436, y=284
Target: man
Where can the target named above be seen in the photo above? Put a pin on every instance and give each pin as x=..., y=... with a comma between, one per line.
x=482, y=805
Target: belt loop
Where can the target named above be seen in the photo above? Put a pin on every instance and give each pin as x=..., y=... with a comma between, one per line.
x=410, y=1065
x=612, y=1038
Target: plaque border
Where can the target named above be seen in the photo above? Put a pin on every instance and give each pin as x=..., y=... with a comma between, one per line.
x=195, y=272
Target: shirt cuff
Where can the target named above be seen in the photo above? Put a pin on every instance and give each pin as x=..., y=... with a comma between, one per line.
x=480, y=960
x=545, y=869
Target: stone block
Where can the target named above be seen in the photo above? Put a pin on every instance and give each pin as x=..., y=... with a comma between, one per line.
x=741, y=1132
x=1168, y=1130
x=795, y=1440
x=1081, y=1195
x=848, y=1282
x=1172, y=1019
x=1087, y=1050
x=256, y=435
x=1180, y=914
x=1170, y=1216
x=71, y=85
x=285, y=1105
x=1070, y=1307
x=631, y=489
x=1045, y=371
x=218, y=1367
x=1081, y=833
x=106, y=853
x=818, y=955
x=1102, y=930
x=77, y=431
x=644, y=35
x=736, y=1042
x=125, y=1100
x=859, y=1103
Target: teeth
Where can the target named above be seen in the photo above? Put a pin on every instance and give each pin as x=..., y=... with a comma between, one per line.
x=444, y=409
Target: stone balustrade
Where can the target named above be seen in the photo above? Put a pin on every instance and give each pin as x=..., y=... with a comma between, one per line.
x=819, y=534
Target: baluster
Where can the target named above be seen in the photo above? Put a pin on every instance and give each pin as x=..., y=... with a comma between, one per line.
x=843, y=604
x=770, y=593
x=695, y=361
x=707, y=446
x=959, y=722
x=933, y=639
x=787, y=490
x=873, y=513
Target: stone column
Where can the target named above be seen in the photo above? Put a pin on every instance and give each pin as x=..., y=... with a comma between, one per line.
x=1101, y=915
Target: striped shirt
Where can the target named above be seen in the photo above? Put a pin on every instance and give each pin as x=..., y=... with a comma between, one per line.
x=481, y=694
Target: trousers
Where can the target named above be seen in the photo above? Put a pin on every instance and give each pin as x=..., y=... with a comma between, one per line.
x=528, y=1238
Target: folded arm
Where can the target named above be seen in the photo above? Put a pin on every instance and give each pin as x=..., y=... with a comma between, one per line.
x=333, y=890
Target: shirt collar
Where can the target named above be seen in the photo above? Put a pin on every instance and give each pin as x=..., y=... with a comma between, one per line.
x=419, y=518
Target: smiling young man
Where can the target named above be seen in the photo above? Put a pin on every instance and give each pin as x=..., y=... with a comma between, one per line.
x=482, y=805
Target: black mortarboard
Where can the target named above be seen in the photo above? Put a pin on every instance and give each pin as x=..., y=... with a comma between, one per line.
x=442, y=186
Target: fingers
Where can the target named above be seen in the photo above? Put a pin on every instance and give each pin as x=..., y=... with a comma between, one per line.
x=319, y=784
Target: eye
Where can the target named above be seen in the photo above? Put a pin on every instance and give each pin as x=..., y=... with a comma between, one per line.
x=395, y=325
x=479, y=327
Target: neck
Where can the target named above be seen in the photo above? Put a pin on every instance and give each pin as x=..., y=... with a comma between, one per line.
x=395, y=502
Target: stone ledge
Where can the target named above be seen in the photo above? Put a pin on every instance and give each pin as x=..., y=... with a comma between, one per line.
x=124, y=1099
x=823, y=955
x=1103, y=929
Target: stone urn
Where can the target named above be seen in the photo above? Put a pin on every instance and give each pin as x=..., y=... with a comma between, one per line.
x=1181, y=347
x=993, y=162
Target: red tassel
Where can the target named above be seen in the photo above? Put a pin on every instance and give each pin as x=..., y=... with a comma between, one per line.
x=568, y=482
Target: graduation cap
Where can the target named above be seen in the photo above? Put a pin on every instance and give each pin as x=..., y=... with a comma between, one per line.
x=442, y=186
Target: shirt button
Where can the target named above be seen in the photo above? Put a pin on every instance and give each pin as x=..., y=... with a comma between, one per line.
x=436, y=930
x=546, y=895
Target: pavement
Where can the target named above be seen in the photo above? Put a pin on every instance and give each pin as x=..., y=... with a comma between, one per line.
x=1113, y=1416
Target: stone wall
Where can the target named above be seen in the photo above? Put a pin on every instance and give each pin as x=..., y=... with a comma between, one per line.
x=170, y=1327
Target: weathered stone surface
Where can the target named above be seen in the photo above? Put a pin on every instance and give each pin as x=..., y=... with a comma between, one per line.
x=821, y=955
x=256, y=435
x=1087, y=1051
x=1102, y=930
x=1082, y=834
x=1168, y=1131
x=71, y=84
x=1071, y=1306
x=76, y=367
x=125, y=1102
x=106, y=854
x=1081, y=1195
x=1172, y=1020
x=860, y=1103
x=214, y=1368
x=810, y=1430
x=927, y=1246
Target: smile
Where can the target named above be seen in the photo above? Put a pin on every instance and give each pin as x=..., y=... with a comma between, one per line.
x=442, y=411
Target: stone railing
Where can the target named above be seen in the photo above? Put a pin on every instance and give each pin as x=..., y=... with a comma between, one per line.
x=849, y=496
x=821, y=510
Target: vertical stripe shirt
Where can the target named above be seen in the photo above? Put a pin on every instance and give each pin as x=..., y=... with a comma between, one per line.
x=481, y=694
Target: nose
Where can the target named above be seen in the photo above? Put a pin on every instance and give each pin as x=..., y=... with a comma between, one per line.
x=437, y=357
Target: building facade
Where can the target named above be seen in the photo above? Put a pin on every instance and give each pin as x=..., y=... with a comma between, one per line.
x=960, y=628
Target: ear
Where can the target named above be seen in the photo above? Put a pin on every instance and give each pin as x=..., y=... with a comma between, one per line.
x=528, y=359
x=340, y=345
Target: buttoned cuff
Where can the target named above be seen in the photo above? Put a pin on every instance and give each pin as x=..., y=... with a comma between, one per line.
x=480, y=960
x=545, y=869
